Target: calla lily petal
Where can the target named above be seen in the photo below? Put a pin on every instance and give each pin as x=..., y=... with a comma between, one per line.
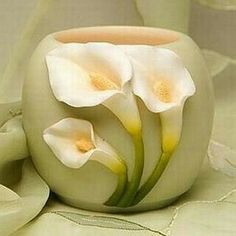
x=74, y=143
x=71, y=84
x=62, y=138
x=83, y=75
x=104, y=58
x=160, y=78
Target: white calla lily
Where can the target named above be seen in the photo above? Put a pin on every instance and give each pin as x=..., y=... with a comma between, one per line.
x=74, y=143
x=160, y=78
x=163, y=83
x=84, y=75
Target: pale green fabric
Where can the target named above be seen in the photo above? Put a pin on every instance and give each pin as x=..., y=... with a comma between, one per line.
x=13, y=149
x=165, y=13
x=208, y=209
x=210, y=198
x=21, y=204
x=23, y=194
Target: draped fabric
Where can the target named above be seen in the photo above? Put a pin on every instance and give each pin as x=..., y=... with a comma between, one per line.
x=209, y=208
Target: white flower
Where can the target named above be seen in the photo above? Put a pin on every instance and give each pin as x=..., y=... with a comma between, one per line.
x=74, y=142
x=163, y=83
x=84, y=75
x=160, y=78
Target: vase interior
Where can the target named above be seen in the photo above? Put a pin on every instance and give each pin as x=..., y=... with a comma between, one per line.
x=118, y=35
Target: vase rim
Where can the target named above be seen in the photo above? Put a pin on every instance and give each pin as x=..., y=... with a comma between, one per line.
x=129, y=35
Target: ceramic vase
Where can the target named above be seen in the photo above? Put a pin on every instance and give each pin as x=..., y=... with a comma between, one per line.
x=90, y=186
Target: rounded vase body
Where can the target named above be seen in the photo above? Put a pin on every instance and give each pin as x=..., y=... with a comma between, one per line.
x=91, y=185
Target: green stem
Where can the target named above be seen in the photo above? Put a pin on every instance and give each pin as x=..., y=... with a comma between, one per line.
x=153, y=179
x=133, y=185
x=115, y=197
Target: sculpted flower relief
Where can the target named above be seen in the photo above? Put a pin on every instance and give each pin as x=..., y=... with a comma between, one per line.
x=163, y=83
x=86, y=75
x=74, y=143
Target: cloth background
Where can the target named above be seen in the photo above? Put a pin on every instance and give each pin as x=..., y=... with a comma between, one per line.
x=26, y=205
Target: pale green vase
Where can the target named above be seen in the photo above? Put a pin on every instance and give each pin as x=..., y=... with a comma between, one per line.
x=90, y=186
